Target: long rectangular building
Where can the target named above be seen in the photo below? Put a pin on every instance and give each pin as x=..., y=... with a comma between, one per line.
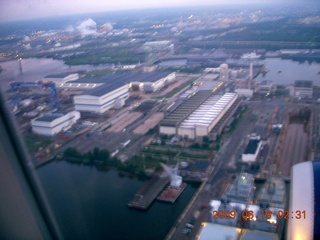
x=198, y=119
x=203, y=120
x=170, y=124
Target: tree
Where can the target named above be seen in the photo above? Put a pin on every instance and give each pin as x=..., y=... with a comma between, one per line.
x=72, y=153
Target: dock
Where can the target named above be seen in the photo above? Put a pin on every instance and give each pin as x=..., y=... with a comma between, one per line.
x=170, y=194
x=149, y=191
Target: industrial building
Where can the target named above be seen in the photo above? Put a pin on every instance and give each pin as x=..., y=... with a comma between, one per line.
x=198, y=115
x=146, y=82
x=53, y=123
x=101, y=99
x=151, y=81
x=111, y=90
x=61, y=78
x=302, y=89
x=265, y=87
x=170, y=124
x=203, y=120
x=252, y=150
x=243, y=92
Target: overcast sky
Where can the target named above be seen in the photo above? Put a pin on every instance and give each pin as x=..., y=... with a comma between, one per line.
x=11, y=10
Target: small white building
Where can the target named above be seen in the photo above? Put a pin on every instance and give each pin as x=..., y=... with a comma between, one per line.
x=101, y=99
x=243, y=92
x=53, y=123
x=302, y=89
x=151, y=81
x=61, y=78
x=252, y=150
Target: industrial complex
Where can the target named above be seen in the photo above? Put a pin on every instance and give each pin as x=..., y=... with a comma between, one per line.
x=186, y=121
x=190, y=123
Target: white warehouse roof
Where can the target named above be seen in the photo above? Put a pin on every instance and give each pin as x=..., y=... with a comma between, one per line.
x=209, y=110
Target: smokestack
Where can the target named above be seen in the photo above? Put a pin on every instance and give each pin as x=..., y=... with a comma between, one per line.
x=20, y=68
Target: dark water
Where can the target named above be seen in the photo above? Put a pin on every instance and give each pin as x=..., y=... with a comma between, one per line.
x=91, y=204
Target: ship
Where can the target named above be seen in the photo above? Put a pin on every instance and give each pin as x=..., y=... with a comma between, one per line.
x=250, y=56
x=175, y=188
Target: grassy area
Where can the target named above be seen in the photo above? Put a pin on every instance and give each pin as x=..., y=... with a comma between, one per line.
x=146, y=162
x=194, y=156
x=159, y=152
x=34, y=143
x=127, y=56
x=98, y=73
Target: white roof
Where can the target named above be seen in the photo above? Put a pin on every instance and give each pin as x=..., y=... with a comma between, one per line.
x=209, y=110
x=218, y=232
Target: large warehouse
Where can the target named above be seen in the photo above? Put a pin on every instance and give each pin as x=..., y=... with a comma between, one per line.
x=111, y=90
x=151, y=81
x=170, y=124
x=198, y=115
x=203, y=120
x=102, y=98
x=139, y=81
x=52, y=124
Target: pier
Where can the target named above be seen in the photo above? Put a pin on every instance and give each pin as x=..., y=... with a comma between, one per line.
x=170, y=194
x=149, y=191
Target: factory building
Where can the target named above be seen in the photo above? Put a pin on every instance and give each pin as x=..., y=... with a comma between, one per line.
x=101, y=99
x=52, y=124
x=111, y=90
x=206, y=116
x=252, y=150
x=151, y=81
x=170, y=124
x=244, y=92
x=302, y=89
x=61, y=78
x=198, y=115
x=265, y=87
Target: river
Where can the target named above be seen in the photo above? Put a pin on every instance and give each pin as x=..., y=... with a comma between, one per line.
x=285, y=71
x=91, y=204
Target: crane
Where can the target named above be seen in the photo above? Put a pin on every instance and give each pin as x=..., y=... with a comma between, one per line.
x=54, y=99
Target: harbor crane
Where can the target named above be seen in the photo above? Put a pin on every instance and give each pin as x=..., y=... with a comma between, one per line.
x=54, y=99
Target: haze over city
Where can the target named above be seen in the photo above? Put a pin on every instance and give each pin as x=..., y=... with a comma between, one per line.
x=32, y=9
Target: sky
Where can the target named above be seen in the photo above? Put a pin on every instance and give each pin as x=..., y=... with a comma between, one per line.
x=12, y=10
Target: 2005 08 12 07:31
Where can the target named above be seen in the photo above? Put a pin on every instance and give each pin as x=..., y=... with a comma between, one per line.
x=264, y=214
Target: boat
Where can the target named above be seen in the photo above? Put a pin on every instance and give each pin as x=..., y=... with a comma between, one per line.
x=252, y=55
